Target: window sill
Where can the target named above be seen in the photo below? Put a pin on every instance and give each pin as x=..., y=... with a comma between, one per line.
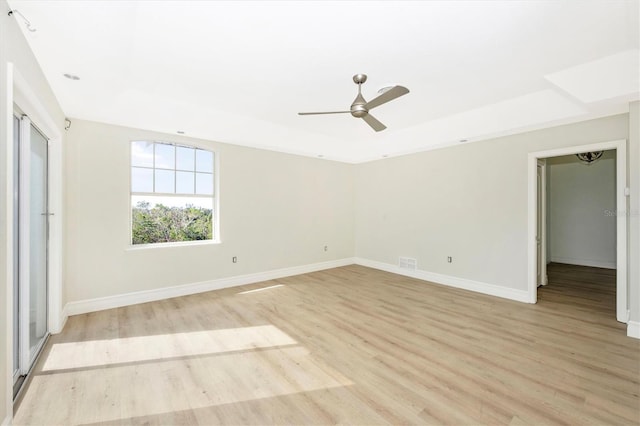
x=172, y=245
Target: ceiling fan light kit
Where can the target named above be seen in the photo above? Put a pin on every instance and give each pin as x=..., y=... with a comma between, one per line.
x=589, y=158
x=360, y=107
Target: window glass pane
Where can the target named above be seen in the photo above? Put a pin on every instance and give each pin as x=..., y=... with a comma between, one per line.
x=185, y=158
x=141, y=180
x=142, y=154
x=204, y=161
x=185, y=183
x=165, y=181
x=165, y=156
x=163, y=168
x=157, y=219
x=204, y=202
x=204, y=184
x=37, y=196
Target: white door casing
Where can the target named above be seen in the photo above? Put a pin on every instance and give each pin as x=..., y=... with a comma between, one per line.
x=541, y=225
x=620, y=146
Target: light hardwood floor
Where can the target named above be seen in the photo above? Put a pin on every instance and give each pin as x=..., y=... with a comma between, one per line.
x=347, y=345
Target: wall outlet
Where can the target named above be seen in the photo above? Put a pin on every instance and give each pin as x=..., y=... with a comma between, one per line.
x=326, y=248
x=449, y=259
x=234, y=259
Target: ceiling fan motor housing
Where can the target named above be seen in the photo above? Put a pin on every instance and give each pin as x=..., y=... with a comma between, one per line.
x=357, y=107
x=358, y=111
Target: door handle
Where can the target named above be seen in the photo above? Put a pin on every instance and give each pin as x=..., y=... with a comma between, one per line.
x=47, y=214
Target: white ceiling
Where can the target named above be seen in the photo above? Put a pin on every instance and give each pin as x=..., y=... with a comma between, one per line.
x=238, y=72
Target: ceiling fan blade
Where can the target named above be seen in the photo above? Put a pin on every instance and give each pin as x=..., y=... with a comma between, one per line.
x=328, y=112
x=389, y=95
x=375, y=124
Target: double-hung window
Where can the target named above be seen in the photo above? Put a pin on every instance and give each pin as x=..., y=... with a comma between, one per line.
x=172, y=193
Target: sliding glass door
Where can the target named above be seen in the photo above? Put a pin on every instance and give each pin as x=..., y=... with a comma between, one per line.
x=38, y=239
x=31, y=223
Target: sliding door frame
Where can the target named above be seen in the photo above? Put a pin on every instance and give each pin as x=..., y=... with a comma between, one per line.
x=27, y=100
x=19, y=93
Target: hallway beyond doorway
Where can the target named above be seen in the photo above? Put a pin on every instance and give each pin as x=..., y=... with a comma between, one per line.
x=581, y=288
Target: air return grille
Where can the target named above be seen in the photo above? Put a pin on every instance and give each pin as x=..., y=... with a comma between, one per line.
x=407, y=263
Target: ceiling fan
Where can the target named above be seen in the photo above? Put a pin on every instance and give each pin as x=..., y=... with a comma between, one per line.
x=360, y=108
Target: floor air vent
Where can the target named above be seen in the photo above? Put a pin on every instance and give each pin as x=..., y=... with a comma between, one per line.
x=407, y=263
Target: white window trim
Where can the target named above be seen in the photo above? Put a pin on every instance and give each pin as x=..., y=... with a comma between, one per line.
x=215, y=197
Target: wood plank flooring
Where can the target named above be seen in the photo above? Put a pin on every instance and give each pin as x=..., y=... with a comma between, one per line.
x=348, y=345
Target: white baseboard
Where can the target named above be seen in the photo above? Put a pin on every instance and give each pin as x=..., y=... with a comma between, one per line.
x=109, y=302
x=582, y=262
x=465, y=284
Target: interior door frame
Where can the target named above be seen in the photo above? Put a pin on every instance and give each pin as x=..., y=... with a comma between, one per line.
x=622, y=285
x=542, y=165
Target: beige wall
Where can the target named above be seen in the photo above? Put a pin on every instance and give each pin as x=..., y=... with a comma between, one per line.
x=582, y=211
x=15, y=56
x=468, y=202
x=277, y=211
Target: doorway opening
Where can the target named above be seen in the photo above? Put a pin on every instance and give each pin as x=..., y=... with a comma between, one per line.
x=537, y=200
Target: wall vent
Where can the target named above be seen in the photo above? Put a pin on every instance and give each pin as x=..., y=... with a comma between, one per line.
x=407, y=263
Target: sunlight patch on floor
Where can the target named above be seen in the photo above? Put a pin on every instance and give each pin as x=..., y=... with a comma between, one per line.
x=261, y=289
x=145, y=389
x=163, y=346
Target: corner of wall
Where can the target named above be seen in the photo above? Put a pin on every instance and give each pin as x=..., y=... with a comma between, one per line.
x=62, y=321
